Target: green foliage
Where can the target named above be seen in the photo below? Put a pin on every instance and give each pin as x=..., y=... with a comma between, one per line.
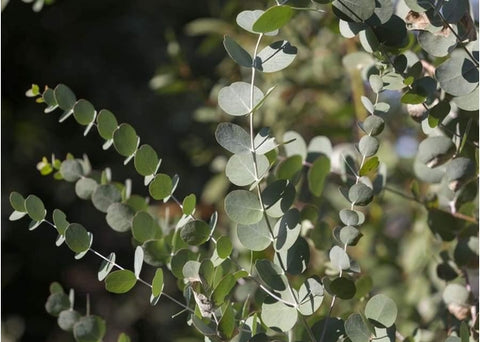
x=263, y=284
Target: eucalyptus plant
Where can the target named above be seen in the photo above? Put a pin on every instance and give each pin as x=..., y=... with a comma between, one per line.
x=261, y=243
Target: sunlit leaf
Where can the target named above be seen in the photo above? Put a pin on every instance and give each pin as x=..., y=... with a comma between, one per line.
x=273, y=19
x=120, y=281
x=243, y=207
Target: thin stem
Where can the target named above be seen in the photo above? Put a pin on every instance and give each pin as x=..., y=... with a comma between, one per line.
x=101, y=256
x=459, y=40
x=259, y=193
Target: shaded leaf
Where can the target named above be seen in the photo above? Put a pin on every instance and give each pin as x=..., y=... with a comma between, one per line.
x=195, y=232
x=77, y=238
x=237, y=53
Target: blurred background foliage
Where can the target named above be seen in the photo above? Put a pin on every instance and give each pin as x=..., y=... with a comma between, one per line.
x=158, y=65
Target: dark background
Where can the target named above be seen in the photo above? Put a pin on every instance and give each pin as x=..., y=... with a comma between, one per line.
x=107, y=52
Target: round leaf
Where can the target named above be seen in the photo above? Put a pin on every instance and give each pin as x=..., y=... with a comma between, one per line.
x=310, y=296
x=189, y=203
x=84, y=188
x=436, y=44
x=278, y=197
x=353, y=10
x=294, y=144
x=356, y=329
x=17, y=202
x=119, y=217
x=89, y=329
x=455, y=294
x=339, y=258
x=161, y=186
x=381, y=310
x=360, y=194
x=224, y=247
x=64, y=97
x=77, y=238
x=289, y=168
x=195, y=232
x=106, y=124
x=368, y=146
x=279, y=316
x=242, y=169
x=120, y=281
x=146, y=160
x=56, y=303
x=67, y=319
x=348, y=235
x=35, y=208
x=246, y=19
x=60, y=221
x=434, y=151
x=343, y=288
x=296, y=258
x=104, y=196
x=468, y=102
x=125, y=140
x=156, y=251
x=181, y=257
x=84, y=112
x=243, y=207
x=71, y=170
x=235, y=99
x=143, y=227
x=287, y=230
x=458, y=75
x=232, y=137
x=275, y=57
x=273, y=18
x=256, y=236
x=373, y=125
x=351, y=217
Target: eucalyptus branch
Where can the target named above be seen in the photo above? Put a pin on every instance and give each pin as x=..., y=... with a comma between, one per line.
x=122, y=268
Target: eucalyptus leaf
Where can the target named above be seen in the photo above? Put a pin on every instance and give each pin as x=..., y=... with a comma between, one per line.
x=104, y=195
x=256, y=236
x=279, y=316
x=157, y=252
x=360, y=194
x=106, y=267
x=353, y=10
x=343, y=288
x=339, y=258
x=226, y=325
x=65, y=97
x=368, y=146
x=244, y=169
x=35, y=208
x=246, y=19
x=275, y=57
x=317, y=175
x=71, y=170
x=237, y=53
x=243, y=207
x=125, y=140
x=146, y=160
x=435, y=150
x=106, y=124
x=278, y=197
x=235, y=98
x=161, y=187
x=195, y=232
x=232, y=137
x=143, y=227
x=273, y=18
x=77, y=238
x=287, y=230
x=17, y=201
x=138, y=261
x=296, y=144
x=84, y=112
x=67, y=319
x=458, y=75
x=89, y=329
x=310, y=296
x=120, y=281
x=84, y=187
x=381, y=310
x=357, y=329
